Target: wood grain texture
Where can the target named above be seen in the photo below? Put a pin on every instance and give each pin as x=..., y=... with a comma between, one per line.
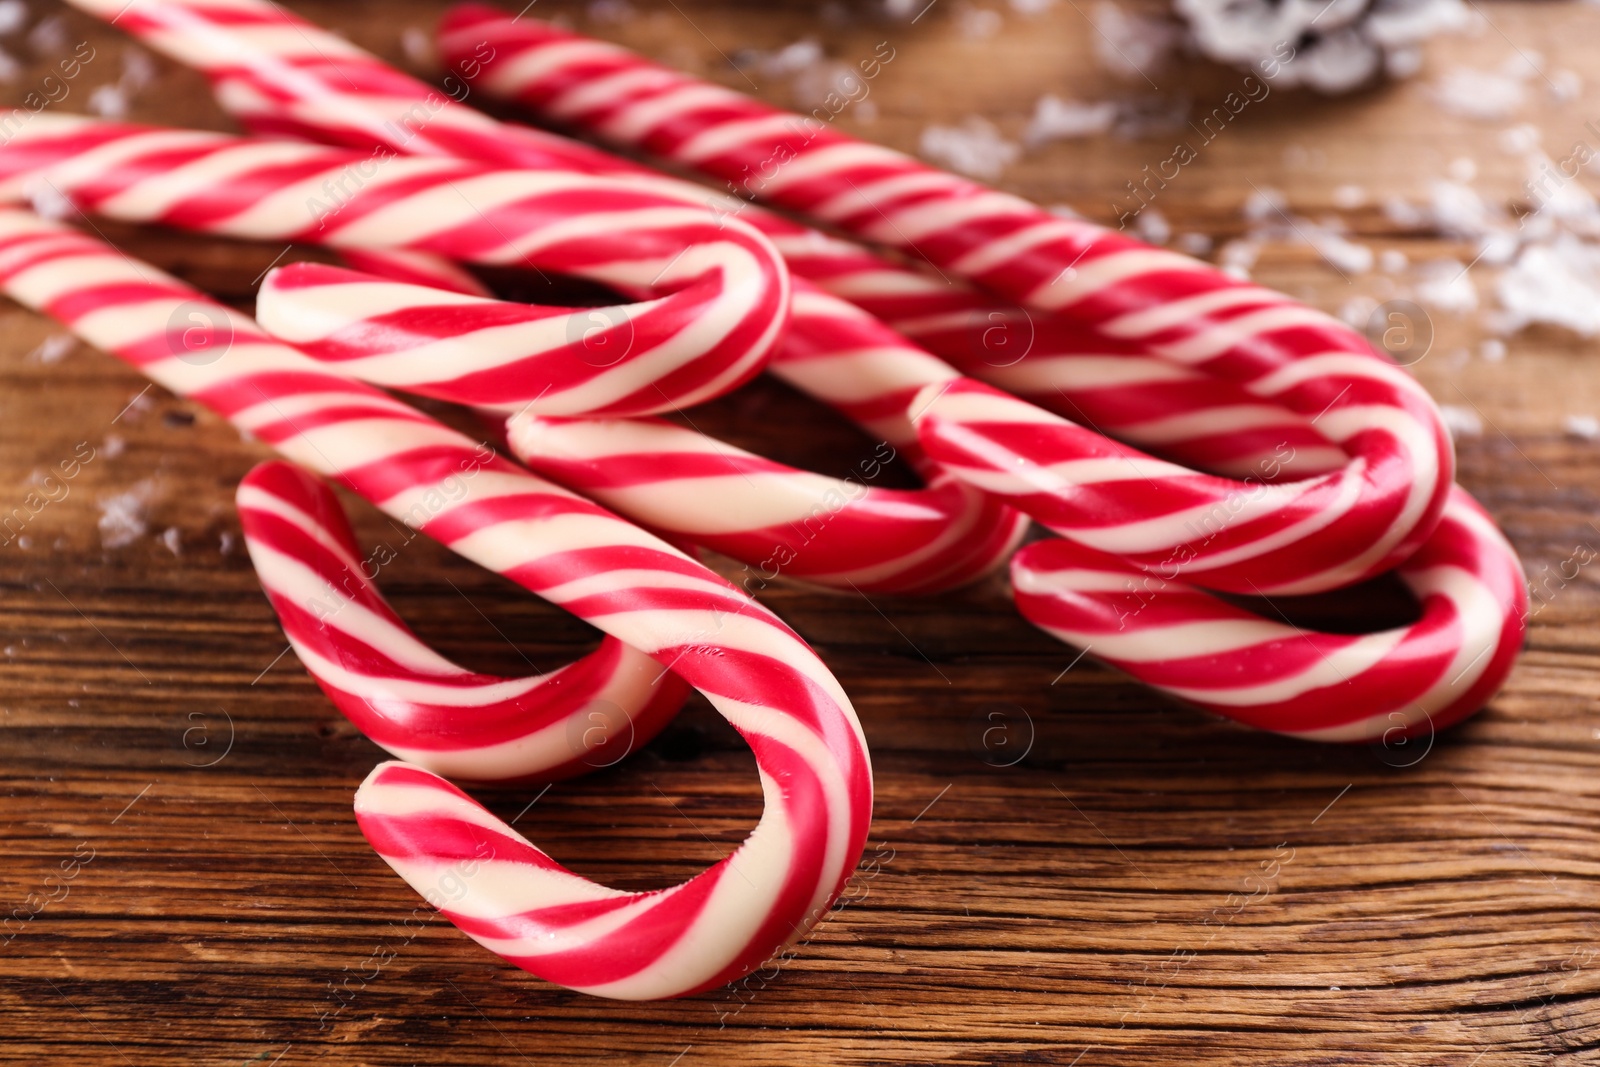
x=1147, y=886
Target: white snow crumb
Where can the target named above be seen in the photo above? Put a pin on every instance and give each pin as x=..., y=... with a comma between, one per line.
x=50, y=202
x=975, y=148
x=10, y=68
x=812, y=85
x=1402, y=63
x=138, y=70
x=172, y=538
x=1565, y=85
x=1560, y=197
x=1478, y=94
x=1029, y=8
x=1343, y=255
x=1557, y=284
x=53, y=349
x=1065, y=211
x=122, y=516
x=1194, y=244
x=113, y=446
x=1520, y=139
x=1462, y=169
x=1458, y=211
x=1356, y=311
x=1152, y=227
x=49, y=36
x=1393, y=261
x=1523, y=64
x=977, y=23
x=109, y=102
x=226, y=542
x=1497, y=249
x=1265, y=204
x=138, y=404
x=1239, y=256
x=13, y=16
x=418, y=46
x=1349, y=197
x=1129, y=45
x=899, y=9
x=611, y=12
x=1055, y=119
x=793, y=58
x=1446, y=285
x=1461, y=421
x=1493, y=351
x=1403, y=213
x=1586, y=427
x=867, y=111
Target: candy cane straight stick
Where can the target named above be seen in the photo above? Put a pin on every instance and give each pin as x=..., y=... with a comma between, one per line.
x=517, y=901
x=1178, y=308
x=727, y=291
x=844, y=533
x=281, y=75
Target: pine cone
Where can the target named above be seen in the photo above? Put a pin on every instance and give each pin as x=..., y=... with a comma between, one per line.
x=1332, y=46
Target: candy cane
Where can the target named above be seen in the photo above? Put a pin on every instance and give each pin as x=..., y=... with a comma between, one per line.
x=839, y=532
x=727, y=291
x=281, y=75
x=758, y=673
x=1307, y=535
x=1325, y=687
x=402, y=694
x=1177, y=308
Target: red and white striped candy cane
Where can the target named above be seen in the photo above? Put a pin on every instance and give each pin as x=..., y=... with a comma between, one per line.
x=1281, y=537
x=726, y=289
x=1326, y=687
x=839, y=532
x=1177, y=308
x=406, y=697
x=279, y=74
x=758, y=673
x=490, y=354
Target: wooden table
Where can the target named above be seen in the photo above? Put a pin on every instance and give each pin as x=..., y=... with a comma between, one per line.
x=1072, y=908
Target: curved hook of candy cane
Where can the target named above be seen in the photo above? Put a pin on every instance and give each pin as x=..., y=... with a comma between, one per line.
x=1178, y=308
x=756, y=671
x=1320, y=686
x=1261, y=537
x=402, y=694
x=845, y=533
x=607, y=230
x=495, y=355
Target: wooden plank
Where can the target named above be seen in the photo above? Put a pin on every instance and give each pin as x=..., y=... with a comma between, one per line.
x=1082, y=906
